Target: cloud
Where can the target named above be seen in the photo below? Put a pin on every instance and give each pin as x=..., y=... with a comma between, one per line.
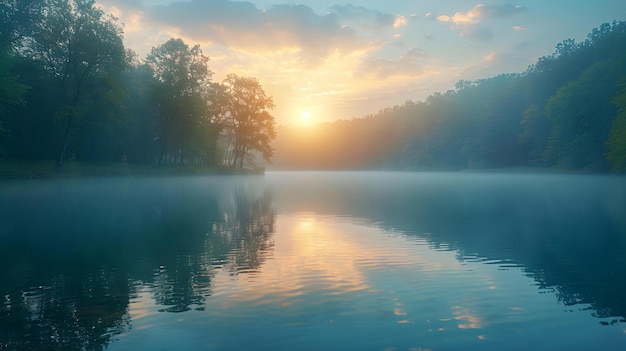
x=122, y=4
x=130, y=13
x=400, y=21
x=459, y=18
x=408, y=65
x=478, y=34
x=431, y=16
x=518, y=28
x=481, y=11
x=467, y=21
x=138, y=33
x=367, y=18
x=444, y=18
x=242, y=26
x=364, y=16
x=414, y=54
x=497, y=11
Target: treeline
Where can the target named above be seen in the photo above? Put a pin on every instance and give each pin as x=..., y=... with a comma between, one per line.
x=566, y=111
x=69, y=89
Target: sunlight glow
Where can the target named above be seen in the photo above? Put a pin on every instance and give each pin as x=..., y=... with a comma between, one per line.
x=305, y=116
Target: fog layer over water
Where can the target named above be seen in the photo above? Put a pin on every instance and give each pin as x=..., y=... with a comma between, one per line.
x=314, y=260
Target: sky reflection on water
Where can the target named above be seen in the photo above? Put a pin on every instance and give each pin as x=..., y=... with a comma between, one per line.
x=315, y=261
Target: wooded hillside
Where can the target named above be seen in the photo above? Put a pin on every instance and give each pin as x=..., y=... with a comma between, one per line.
x=566, y=111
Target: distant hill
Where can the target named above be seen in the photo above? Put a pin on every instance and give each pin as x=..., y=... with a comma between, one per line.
x=567, y=111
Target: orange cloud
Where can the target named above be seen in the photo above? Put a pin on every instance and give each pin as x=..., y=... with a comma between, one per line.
x=490, y=57
x=481, y=11
x=400, y=21
x=243, y=27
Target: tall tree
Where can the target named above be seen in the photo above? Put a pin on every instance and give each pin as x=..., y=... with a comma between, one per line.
x=15, y=18
x=252, y=125
x=140, y=115
x=11, y=91
x=77, y=44
x=216, y=122
x=183, y=81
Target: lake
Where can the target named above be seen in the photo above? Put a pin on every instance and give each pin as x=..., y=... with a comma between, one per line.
x=315, y=261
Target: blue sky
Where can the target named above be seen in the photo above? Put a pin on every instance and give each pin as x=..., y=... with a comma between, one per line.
x=335, y=60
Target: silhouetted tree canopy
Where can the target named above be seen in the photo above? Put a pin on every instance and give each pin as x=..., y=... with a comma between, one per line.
x=69, y=89
x=248, y=119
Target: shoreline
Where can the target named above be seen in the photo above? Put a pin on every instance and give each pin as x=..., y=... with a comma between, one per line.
x=24, y=170
x=15, y=170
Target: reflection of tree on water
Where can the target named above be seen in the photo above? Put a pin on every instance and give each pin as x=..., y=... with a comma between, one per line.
x=248, y=227
x=566, y=232
x=569, y=242
x=78, y=251
x=61, y=288
x=177, y=270
x=239, y=239
x=69, y=312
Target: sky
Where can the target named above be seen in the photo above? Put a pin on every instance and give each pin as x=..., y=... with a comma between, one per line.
x=325, y=60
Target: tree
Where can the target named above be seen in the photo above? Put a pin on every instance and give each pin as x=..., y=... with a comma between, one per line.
x=535, y=132
x=140, y=115
x=581, y=115
x=77, y=44
x=11, y=91
x=217, y=121
x=252, y=126
x=16, y=19
x=182, y=87
x=616, y=144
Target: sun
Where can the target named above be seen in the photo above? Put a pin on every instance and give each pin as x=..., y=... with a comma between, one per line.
x=305, y=116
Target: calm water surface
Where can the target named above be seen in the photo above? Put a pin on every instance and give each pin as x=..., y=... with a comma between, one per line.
x=314, y=261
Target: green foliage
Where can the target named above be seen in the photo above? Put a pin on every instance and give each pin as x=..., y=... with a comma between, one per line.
x=558, y=113
x=68, y=83
x=182, y=85
x=81, y=48
x=11, y=93
x=581, y=116
x=249, y=122
x=69, y=87
x=535, y=130
x=616, y=144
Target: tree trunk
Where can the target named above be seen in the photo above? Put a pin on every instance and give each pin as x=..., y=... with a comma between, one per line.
x=164, y=153
x=66, y=138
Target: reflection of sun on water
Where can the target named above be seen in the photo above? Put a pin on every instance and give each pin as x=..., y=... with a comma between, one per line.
x=310, y=254
x=319, y=249
x=314, y=253
x=306, y=224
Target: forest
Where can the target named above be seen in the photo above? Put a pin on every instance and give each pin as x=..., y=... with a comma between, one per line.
x=70, y=90
x=566, y=112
